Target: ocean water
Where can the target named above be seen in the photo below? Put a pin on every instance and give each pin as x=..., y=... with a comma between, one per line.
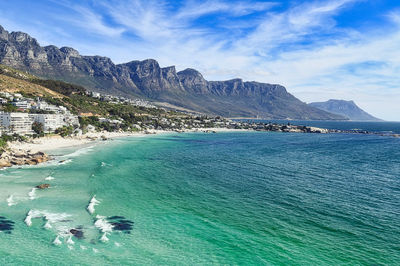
x=248, y=198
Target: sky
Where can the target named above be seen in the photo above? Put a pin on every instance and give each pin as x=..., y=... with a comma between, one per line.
x=318, y=50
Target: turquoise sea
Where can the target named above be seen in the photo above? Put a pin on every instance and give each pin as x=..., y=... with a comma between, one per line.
x=247, y=198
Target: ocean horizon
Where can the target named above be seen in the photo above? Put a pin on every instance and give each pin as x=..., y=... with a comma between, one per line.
x=256, y=198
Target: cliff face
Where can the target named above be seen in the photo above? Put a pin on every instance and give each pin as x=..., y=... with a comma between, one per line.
x=348, y=109
x=147, y=79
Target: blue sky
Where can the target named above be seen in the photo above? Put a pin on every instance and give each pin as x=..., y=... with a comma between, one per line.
x=340, y=49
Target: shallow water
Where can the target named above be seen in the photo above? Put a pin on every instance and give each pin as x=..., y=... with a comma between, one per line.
x=227, y=198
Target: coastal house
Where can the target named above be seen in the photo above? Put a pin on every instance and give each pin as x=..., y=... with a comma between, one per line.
x=22, y=104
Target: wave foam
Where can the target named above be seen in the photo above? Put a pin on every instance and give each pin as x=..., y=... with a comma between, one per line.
x=57, y=241
x=32, y=194
x=93, y=202
x=31, y=214
x=10, y=201
x=49, y=178
x=104, y=237
x=51, y=219
x=48, y=225
x=70, y=241
x=103, y=225
x=80, y=152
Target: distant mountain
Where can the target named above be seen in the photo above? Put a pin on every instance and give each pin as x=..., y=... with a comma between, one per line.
x=146, y=79
x=345, y=108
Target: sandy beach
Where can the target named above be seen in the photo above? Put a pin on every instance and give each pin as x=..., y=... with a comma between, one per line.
x=46, y=144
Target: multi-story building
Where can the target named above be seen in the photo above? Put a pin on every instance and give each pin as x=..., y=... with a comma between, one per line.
x=50, y=122
x=19, y=123
x=22, y=104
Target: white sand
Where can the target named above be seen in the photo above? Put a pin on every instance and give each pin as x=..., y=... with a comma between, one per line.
x=57, y=142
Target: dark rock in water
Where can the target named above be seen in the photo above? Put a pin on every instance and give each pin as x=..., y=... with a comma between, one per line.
x=76, y=233
x=120, y=223
x=6, y=225
x=43, y=186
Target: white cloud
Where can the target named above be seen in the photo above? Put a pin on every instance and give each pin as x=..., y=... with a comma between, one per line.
x=288, y=47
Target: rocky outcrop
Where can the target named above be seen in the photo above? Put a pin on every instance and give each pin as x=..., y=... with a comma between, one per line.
x=43, y=186
x=19, y=157
x=77, y=233
x=146, y=79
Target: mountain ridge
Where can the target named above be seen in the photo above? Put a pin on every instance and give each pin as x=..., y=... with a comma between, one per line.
x=146, y=79
x=348, y=109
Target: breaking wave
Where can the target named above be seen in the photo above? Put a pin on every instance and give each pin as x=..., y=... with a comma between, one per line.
x=93, y=202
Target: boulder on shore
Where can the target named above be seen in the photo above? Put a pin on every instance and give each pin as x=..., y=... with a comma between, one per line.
x=19, y=157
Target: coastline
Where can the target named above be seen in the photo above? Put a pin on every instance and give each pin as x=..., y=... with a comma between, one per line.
x=47, y=144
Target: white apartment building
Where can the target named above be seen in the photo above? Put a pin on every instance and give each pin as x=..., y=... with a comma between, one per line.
x=50, y=121
x=46, y=107
x=20, y=123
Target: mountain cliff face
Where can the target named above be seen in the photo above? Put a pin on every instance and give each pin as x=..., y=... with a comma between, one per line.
x=146, y=79
x=345, y=108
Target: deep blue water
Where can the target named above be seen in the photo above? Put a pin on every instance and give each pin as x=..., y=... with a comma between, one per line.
x=383, y=127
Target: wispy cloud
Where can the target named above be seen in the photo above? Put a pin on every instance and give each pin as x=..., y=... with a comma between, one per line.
x=300, y=44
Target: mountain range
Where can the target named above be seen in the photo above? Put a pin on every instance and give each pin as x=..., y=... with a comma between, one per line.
x=347, y=109
x=185, y=90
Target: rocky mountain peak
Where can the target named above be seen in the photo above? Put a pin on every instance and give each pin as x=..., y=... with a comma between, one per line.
x=21, y=37
x=3, y=33
x=71, y=52
x=187, y=88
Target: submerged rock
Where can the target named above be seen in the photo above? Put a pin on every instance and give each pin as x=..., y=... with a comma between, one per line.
x=120, y=223
x=77, y=233
x=6, y=225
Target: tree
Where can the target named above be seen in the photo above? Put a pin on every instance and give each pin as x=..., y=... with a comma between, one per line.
x=65, y=131
x=38, y=128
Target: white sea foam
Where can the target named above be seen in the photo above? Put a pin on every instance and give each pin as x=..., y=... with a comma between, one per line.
x=32, y=193
x=48, y=225
x=57, y=241
x=93, y=202
x=102, y=224
x=104, y=237
x=70, y=241
x=105, y=164
x=95, y=250
x=49, y=178
x=10, y=201
x=83, y=247
x=117, y=244
x=70, y=247
x=31, y=214
x=52, y=220
x=28, y=218
x=80, y=152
